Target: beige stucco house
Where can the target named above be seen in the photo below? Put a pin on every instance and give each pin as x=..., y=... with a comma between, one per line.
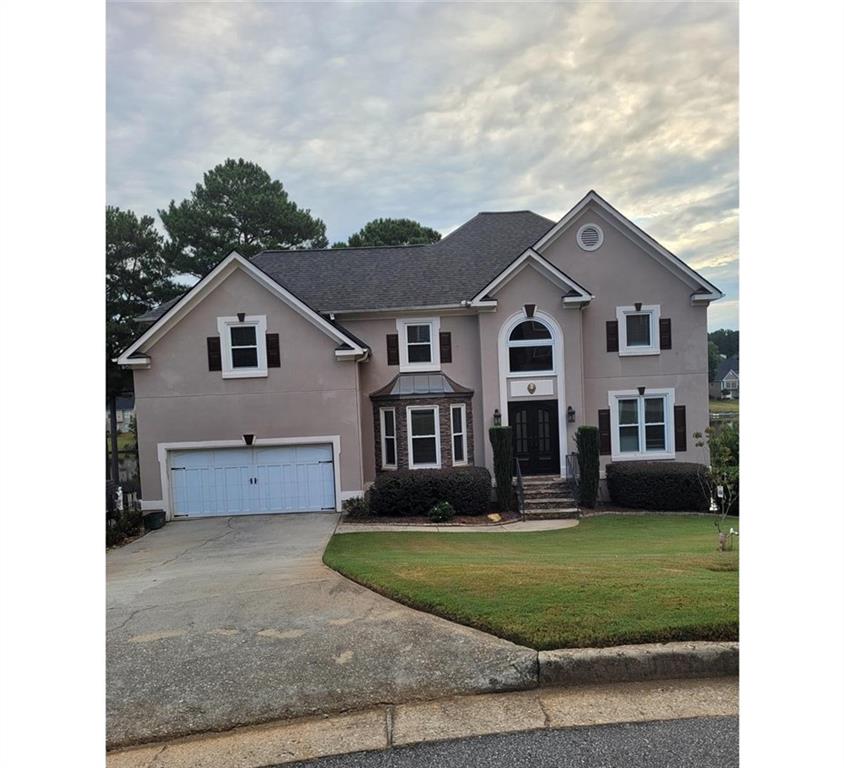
x=289, y=381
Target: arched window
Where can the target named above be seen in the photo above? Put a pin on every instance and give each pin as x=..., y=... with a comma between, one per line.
x=531, y=348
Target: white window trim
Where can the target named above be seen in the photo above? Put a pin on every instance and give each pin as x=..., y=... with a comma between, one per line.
x=728, y=383
x=410, y=436
x=453, y=408
x=642, y=455
x=533, y=343
x=224, y=324
x=401, y=327
x=621, y=315
x=394, y=438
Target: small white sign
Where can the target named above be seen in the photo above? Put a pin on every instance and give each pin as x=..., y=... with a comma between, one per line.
x=720, y=491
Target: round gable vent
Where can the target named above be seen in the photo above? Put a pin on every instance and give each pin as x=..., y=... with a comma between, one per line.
x=590, y=237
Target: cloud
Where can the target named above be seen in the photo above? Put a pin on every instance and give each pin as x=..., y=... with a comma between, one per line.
x=436, y=111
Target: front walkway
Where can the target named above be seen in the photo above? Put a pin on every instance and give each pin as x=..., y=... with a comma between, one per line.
x=228, y=621
x=520, y=526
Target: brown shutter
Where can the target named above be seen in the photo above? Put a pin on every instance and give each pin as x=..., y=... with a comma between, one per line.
x=445, y=346
x=215, y=357
x=679, y=427
x=612, y=335
x=604, y=439
x=392, y=349
x=273, y=351
x=664, y=333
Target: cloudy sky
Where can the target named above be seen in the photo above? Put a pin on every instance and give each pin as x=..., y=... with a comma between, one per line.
x=437, y=111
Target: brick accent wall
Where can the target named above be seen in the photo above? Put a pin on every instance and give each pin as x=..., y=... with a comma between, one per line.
x=444, y=403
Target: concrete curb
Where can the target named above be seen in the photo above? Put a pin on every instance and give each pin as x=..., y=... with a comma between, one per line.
x=634, y=663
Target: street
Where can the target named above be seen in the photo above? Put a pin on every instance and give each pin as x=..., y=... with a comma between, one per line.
x=705, y=742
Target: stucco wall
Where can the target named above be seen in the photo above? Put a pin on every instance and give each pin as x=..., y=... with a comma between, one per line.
x=375, y=373
x=178, y=399
x=621, y=273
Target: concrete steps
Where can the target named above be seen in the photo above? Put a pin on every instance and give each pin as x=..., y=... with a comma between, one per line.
x=549, y=498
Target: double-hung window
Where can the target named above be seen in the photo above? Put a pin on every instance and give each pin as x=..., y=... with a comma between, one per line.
x=388, y=438
x=243, y=346
x=458, y=435
x=642, y=425
x=638, y=330
x=423, y=436
x=418, y=344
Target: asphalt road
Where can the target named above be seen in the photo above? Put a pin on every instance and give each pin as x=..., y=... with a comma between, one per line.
x=710, y=742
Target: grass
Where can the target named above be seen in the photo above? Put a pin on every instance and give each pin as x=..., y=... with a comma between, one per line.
x=125, y=442
x=723, y=406
x=609, y=581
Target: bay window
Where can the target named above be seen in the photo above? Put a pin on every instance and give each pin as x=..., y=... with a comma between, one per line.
x=423, y=436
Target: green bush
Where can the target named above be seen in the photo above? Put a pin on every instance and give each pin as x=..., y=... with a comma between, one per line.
x=589, y=461
x=657, y=485
x=412, y=492
x=502, y=462
x=357, y=506
x=441, y=513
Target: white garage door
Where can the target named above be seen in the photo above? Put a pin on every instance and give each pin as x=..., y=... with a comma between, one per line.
x=249, y=481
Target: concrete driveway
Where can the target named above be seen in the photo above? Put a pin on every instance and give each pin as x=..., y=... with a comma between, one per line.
x=229, y=621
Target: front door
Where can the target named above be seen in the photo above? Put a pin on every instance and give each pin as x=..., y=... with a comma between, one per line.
x=536, y=436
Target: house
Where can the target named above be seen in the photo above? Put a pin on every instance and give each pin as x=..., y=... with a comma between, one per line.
x=726, y=378
x=288, y=382
x=125, y=411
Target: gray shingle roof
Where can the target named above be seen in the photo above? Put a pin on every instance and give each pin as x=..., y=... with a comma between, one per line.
x=447, y=272
x=725, y=366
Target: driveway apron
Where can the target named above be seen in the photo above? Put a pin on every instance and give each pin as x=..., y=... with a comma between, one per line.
x=223, y=622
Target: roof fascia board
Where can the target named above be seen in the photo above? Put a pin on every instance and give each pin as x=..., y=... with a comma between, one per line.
x=636, y=234
x=533, y=258
x=206, y=285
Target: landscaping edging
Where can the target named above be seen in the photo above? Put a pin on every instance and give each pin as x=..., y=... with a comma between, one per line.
x=636, y=663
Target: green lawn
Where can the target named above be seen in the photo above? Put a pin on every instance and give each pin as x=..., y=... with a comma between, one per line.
x=125, y=441
x=611, y=580
x=723, y=406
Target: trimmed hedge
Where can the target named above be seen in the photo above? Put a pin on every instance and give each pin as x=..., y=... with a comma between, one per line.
x=665, y=486
x=410, y=493
x=502, y=462
x=590, y=464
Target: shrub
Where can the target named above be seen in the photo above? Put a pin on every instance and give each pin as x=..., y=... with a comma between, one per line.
x=441, y=513
x=668, y=486
x=502, y=461
x=590, y=463
x=413, y=492
x=357, y=506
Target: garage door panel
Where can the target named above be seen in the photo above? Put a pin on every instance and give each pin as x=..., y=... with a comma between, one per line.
x=289, y=478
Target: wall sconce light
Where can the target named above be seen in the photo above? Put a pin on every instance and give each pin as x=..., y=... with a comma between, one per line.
x=248, y=439
x=641, y=390
x=496, y=418
x=638, y=306
x=241, y=316
x=570, y=415
x=530, y=309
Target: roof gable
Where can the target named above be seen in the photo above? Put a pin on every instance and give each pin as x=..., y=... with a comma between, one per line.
x=703, y=290
x=135, y=355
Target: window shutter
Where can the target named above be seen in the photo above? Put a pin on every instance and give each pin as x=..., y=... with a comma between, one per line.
x=273, y=351
x=679, y=427
x=445, y=346
x=392, y=349
x=664, y=333
x=612, y=335
x=604, y=439
x=215, y=357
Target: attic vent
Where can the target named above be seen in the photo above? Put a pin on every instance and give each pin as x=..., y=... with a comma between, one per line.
x=590, y=237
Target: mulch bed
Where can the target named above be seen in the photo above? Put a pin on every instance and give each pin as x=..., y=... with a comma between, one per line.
x=420, y=520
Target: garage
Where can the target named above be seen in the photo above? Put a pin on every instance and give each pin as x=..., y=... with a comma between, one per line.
x=252, y=480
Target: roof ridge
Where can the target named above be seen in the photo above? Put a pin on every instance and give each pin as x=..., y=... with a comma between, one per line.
x=344, y=248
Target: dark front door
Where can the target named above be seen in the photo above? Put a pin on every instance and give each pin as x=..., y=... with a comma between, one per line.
x=536, y=436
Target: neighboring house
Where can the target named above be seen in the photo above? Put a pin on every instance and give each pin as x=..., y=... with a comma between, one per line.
x=125, y=412
x=726, y=378
x=289, y=381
